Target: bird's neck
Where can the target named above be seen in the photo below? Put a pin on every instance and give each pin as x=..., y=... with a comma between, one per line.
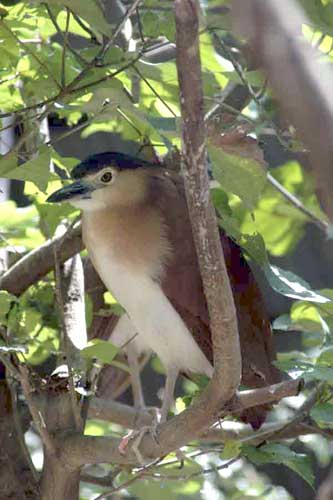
x=134, y=237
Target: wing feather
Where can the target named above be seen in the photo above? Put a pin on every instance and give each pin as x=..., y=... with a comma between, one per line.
x=183, y=286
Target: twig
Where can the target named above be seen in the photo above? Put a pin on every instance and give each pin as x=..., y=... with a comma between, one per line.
x=263, y=395
x=237, y=67
x=154, y=91
x=60, y=33
x=323, y=225
x=304, y=409
x=31, y=52
x=104, y=78
x=9, y=78
x=188, y=477
x=125, y=484
x=64, y=49
x=35, y=412
x=105, y=481
x=71, y=89
x=132, y=8
x=83, y=25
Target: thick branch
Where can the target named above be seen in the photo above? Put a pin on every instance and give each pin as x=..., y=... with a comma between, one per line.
x=223, y=322
x=40, y=261
x=78, y=450
x=118, y=413
x=277, y=45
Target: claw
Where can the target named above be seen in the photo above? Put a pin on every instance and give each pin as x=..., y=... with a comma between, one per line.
x=137, y=436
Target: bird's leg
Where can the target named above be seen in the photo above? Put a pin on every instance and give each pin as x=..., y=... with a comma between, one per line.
x=168, y=397
x=138, y=398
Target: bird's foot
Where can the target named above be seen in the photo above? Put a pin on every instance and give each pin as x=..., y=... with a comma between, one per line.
x=137, y=436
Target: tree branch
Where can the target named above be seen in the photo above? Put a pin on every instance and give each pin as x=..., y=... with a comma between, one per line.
x=36, y=414
x=322, y=224
x=278, y=48
x=78, y=450
x=37, y=263
x=223, y=321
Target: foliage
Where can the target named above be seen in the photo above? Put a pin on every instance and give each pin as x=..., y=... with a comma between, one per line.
x=92, y=90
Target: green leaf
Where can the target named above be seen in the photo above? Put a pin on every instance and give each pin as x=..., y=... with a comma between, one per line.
x=280, y=223
x=89, y=11
x=306, y=317
x=231, y=449
x=323, y=413
x=6, y=300
x=158, y=23
x=252, y=244
x=289, y=284
x=281, y=454
x=282, y=323
x=318, y=372
x=242, y=176
x=326, y=357
x=100, y=349
x=36, y=170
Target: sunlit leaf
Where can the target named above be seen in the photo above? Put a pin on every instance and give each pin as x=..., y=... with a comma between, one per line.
x=100, y=349
x=36, y=170
x=242, y=176
x=291, y=285
x=89, y=11
x=231, y=449
x=6, y=300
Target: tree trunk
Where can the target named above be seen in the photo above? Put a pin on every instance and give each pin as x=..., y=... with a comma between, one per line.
x=59, y=481
x=16, y=477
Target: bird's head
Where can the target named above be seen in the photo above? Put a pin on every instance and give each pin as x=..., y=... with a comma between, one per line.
x=106, y=180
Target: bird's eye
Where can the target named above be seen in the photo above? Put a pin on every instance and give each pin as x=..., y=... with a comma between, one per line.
x=106, y=177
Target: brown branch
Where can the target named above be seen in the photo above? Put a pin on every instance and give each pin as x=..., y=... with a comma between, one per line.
x=264, y=395
x=304, y=410
x=131, y=418
x=37, y=263
x=36, y=412
x=78, y=450
x=19, y=479
x=278, y=48
x=118, y=413
x=223, y=322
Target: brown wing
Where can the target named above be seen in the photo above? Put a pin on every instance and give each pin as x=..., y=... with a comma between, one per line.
x=183, y=286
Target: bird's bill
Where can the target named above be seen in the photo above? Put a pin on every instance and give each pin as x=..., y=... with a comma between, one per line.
x=76, y=190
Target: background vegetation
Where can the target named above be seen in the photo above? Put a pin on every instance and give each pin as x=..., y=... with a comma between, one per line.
x=77, y=77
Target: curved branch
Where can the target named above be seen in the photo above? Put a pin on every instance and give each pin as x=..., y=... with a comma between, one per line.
x=280, y=50
x=223, y=321
x=78, y=450
x=37, y=263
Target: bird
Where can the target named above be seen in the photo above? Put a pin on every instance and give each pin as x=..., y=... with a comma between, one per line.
x=136, y=228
